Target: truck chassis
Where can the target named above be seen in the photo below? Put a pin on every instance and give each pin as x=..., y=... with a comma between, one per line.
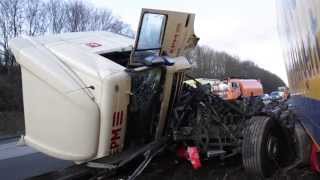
x=268, y=137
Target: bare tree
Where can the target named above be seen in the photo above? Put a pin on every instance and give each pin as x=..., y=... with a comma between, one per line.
x=117, y=26
x=101, y=19
x=35, y=17
x=77, y=16
x=56, y=15
x=82, y=17
x=11, y=21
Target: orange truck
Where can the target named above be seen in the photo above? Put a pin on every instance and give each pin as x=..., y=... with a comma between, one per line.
x=232, y=89
x=240, y=88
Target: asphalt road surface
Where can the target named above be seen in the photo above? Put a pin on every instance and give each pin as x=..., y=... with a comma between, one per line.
x=168, y=166
x=171, y=168
x=20, y=162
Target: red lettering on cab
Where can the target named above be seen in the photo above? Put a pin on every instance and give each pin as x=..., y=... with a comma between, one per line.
x=116, y=130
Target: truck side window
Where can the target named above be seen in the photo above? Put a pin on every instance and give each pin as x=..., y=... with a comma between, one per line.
x=234, y=85
x=151, y=31
x=150, y=37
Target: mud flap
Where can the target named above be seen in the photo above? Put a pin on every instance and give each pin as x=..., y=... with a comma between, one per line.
x=314, y=159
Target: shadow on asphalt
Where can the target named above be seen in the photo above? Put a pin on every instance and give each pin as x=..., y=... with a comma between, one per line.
x=169, y=167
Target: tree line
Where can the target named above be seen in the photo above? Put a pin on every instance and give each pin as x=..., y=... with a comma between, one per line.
x=208, y=63
x=38, y=17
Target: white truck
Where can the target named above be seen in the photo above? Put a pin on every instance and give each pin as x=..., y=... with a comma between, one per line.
x=77, y=86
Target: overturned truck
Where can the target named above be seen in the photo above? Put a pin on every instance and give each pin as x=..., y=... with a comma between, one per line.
x=102, y=100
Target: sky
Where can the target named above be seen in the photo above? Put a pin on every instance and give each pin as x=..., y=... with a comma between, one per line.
x=243, y=28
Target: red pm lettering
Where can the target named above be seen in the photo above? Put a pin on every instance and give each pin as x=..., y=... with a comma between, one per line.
x=114, y=138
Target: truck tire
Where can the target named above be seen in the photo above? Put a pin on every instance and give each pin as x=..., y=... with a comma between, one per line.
x=264, y=146
x=303, y=144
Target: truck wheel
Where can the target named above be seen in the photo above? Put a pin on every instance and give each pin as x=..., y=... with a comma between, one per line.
x=264, y=146
x=303, y=145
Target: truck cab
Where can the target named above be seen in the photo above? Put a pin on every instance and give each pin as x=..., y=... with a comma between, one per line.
x=89, y=95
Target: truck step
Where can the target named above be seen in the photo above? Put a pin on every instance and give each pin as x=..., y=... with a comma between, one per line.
x=115, y=161
x=215, y=153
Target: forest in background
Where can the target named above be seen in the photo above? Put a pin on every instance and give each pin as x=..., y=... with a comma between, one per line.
x=208, y=63
x=39, y=17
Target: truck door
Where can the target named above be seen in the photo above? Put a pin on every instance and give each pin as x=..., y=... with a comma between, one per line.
x=160, y=33
x=163, y=33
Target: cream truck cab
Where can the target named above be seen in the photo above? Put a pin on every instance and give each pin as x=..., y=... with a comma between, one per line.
x=89, y=95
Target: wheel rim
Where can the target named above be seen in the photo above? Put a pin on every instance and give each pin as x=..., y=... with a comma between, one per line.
x=273, y=148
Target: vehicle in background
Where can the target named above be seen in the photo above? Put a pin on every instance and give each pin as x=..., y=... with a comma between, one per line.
x=243, y=88
x=266, y=98
x=285, y=92
x=276, y=95
x=213, y=82
x=218, y=87
x=232, y=89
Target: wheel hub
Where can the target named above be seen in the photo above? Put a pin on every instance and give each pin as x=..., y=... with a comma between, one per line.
x=273, y=149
